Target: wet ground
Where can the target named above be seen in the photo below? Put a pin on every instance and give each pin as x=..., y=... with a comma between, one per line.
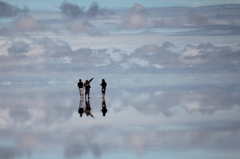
x=147, y=122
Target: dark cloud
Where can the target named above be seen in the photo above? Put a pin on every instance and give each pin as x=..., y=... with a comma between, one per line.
x=94, y=11
x=8, y=10
x=74, y=11
x=18, y=48
x=168, y=45
x=71, y=10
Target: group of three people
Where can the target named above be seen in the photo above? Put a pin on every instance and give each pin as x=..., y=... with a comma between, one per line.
x=87, y=87
x=87, y=108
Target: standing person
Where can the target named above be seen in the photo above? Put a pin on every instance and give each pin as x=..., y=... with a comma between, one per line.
x=80, y=87
x=104, y=107
x=88, y=108
x=81, y=109
x=104, y=85
x=87, y=87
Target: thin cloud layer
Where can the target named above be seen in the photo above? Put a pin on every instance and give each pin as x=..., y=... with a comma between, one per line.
x=79, y=26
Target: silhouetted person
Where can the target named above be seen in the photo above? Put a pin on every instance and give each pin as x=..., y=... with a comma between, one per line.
x=104, y=85
x=87, y=87
x=88, y=108
x=80, y=87
x=81, y=109
x=104, y=107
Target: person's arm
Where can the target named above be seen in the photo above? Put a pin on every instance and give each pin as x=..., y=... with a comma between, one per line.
x=91, y=79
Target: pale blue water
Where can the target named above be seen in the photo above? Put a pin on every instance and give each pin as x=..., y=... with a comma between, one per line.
x=178, y=121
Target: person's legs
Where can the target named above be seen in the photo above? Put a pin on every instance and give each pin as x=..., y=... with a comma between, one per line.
x=81, y=91
x=87, y=91
x=103, y=92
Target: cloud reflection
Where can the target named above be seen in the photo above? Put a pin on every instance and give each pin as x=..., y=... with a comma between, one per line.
x=54, y=113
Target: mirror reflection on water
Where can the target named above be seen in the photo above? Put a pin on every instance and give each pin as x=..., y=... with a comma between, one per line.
x=157, y=121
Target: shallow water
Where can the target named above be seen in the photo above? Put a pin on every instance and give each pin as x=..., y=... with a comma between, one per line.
x=157, y=121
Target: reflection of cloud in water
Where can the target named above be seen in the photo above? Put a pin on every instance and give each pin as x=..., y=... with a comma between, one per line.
x=49, y=117
x=34, y=108
x=204, y=100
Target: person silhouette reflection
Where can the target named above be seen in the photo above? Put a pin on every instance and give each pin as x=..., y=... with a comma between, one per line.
x=104, y=107
x=88, y=108
x=81, y=107
x=104, y=85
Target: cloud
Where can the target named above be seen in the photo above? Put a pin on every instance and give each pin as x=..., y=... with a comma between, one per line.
x=79, y=26
x=165, y=22
x=206, y=100
x=94, y=11
x=135, y=18
x=47, y=55
x=168, y=45
x=191, y=18
x=77, y=145
x=9, y=152
x=195, y=19
x=74, y=11
x=4, y=32
x=71, y=10
x=18, y=48
x=27, y=23
x=208, y=53
x=20, y=111
x=156, y=55
x=8, y=10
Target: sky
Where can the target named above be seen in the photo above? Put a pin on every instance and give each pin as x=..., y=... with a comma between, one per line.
x=54, y=4
x=133, y=39
x=172, y=69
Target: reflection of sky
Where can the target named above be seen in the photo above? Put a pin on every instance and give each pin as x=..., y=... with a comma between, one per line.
x=142, y=121
x=172, y=70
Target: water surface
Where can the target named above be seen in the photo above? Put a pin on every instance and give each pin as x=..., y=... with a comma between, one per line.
x=142, y=121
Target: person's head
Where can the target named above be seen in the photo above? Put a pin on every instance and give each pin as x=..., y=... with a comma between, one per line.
x=103, y=80
x=80, y=80
x=86, y=80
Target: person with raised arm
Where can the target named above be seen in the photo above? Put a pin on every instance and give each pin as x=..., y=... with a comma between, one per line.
x=87, y=87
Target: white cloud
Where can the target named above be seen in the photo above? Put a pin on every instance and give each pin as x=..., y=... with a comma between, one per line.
x=140, y=62
x=192, y=56
x=158, y=66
